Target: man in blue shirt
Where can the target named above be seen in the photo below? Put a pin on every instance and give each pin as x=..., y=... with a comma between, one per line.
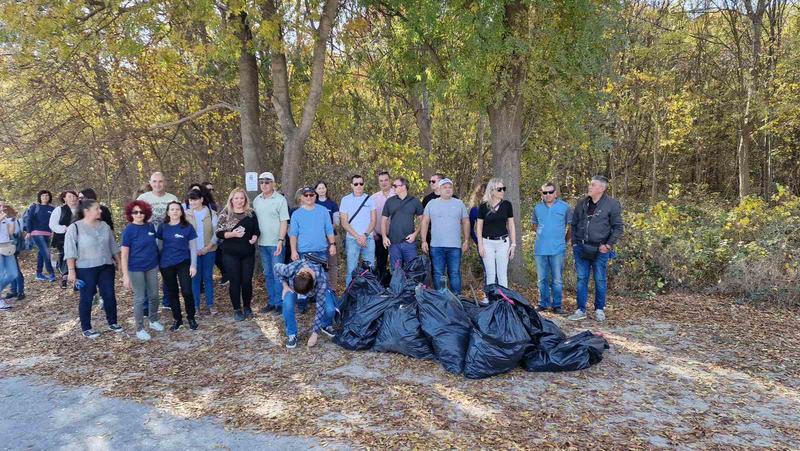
x=551, y=218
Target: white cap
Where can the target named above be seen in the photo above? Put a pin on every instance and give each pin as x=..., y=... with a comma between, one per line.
x=443, y=182
x=266, y=176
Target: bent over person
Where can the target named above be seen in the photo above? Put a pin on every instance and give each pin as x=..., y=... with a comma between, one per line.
x=301, y=277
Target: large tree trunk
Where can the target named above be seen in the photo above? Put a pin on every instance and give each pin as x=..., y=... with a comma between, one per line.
x=422, y=114
x=295, y=136
x=746, y=143
x=249, y=110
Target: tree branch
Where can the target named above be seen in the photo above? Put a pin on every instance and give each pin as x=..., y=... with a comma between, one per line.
x=195, y=115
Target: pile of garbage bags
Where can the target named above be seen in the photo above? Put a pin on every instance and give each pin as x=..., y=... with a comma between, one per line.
x=464, y=336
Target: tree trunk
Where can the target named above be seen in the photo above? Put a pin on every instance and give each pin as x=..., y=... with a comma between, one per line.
x=249, y=110
x=422, y=114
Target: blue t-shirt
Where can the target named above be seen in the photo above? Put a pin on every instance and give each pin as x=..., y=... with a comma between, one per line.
x=175, y=247
x=39, y=218
x=143, y=249
x=311, y=227
x=551, y=226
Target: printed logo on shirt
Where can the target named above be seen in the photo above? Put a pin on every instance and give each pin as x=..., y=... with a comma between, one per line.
x=178, y=235
x=150, y=234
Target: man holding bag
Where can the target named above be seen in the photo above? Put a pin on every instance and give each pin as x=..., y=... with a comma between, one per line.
x=596, y=228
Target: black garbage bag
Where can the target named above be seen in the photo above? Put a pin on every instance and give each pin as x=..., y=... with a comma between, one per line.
x=419, y=269
x=447, y=326
x=363, y=320
x=575, y=353
x=471, y=307
x=543, y=332
x=498, y=341
x=401, y=284
x=364, y=283
x=400, y=332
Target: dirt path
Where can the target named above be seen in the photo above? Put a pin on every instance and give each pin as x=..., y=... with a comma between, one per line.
x=688, y=371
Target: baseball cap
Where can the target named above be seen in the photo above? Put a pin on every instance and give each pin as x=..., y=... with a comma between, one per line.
x=443, y=182
x=266, y=176
x=308, y=189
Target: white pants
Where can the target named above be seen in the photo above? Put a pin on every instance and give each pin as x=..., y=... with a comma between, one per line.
x=496, y=261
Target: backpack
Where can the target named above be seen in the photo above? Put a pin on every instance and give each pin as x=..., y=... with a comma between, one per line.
x=27, y=217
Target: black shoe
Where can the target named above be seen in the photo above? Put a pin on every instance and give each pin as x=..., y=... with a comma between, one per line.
x=291, y=341
x=540, y=308
x=238, y=315
x=192, y=324
x=329, y=331
x=557, y=310
x=10, y=296
x=21, y=297
x=175, y=326
x=248, y=313
x=266, y=309
x=115, y=328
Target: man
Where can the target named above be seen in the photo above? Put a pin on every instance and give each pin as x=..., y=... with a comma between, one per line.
x=449, y=225
x=596, y=228
x=300, y=278
x=311, y=232
x=105, y=213
x=379, y=198
x=358, y=217
x=433, y=183
x=399, y=213
x=272, y=212
x=159, y=198
x=551, y=218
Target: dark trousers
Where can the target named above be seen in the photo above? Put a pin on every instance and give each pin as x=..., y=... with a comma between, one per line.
x=381, y=260
x=98, y=278
x=239, y=270
x=174, y=275
x=220, y=265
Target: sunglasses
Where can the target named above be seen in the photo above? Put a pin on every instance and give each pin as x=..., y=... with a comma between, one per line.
x=548, y=192
x=500, y=188
x=137, y=212
x=358, y=184
x=432, y=181
x=265, y=182
x=309, y=195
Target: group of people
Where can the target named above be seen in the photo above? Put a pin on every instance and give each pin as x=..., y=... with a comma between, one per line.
x=183, y=240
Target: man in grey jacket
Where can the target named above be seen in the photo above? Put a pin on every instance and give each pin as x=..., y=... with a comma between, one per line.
x=596, y=228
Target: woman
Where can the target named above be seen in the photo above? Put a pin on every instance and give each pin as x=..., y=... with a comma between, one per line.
x=474, y=201
x=140, y=265
x=205, y=221
x=193, y=187
x=497, y=238
x=321, y=188
x=60, y=218
x=91, y=252
x=238, y=228
x=178, y=262
x=9, y=270
x=37, y=224
x=17, y=289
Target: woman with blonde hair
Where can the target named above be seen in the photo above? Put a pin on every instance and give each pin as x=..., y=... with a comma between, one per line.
x=238, y=230
x=497, y=238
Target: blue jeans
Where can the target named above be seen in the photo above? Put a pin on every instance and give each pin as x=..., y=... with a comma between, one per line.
x=205, y=275
x=446, y=258
x=43, y=254
x=598, y=267
x=99, y=278
x=20, y=282
x=401, y=253
x=272, y=283
x=549, y=269
x=9, y=272
x=289, y=319
x=354, y=251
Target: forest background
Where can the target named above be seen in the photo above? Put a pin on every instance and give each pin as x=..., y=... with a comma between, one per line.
x=691, y=108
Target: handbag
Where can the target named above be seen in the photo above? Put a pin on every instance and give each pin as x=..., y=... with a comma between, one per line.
x=8, y=249
x=589, y=252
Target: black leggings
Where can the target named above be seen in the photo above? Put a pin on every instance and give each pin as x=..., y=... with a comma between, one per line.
x=239, y=270
x=172, y=276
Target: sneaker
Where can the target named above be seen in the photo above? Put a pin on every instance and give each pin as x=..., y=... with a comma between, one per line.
x=10, y=296
x=175, y=326
x=542, y=308
x=51, y=278
x=155, y=325
x=599, y=315
x=212, y=311
x=4, y=306
x=91, y=334
x=291, y=341
x=248, y=313
x=238, y=315
x=557, y=310
x=312, y=340
x=329, y=331
x=143, y=335
x=192, y=324
x=577, y=316
x=42, y=278
x=115, y=328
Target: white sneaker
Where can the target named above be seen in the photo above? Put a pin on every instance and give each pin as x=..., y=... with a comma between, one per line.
x=4, y=305
x=599, y=315
x=143, y=335
x=155, y=325
x=577, y=316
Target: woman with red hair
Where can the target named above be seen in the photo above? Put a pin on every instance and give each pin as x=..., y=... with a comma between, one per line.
x=140, y=265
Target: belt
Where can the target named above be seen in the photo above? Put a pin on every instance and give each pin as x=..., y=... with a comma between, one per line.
x=497, y=238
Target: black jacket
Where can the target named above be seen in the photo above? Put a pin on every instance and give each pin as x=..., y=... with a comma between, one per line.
x=604, y=227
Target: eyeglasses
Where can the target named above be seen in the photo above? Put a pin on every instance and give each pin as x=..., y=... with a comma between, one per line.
x=309, y=195
x=548, y=192
x=432, y=181
x=137, y=212
x=358, y=183
x=500, y=188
